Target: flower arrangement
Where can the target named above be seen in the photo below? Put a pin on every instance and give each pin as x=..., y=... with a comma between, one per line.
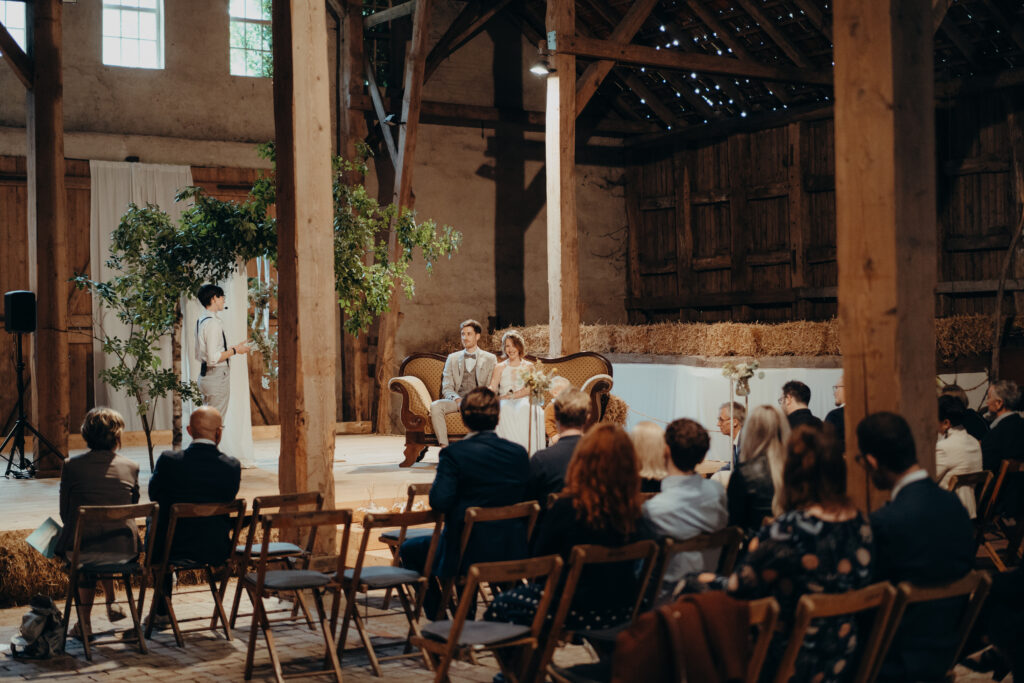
x=538, y=381
x=740, y=373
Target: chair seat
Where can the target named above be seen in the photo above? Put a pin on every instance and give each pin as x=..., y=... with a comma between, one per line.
x=107, y=563
x=476, y=632
x=290, y=579
x=416, y=532
x=384, y=577
x=602, y=635
x=276, y=548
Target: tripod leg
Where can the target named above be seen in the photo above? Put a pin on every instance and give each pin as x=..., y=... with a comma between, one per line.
x=46, y=442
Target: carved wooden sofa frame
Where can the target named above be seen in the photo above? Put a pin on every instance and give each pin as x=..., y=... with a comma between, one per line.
x=419, y=383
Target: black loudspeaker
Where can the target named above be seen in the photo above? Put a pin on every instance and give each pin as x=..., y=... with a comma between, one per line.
x=20, y=311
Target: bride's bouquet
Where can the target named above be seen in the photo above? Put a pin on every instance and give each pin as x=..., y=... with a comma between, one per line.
x=538, y=381
x=741, y=374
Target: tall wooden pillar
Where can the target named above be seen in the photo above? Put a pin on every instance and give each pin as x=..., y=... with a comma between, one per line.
x=302, y=122
x=885, y=218
x=48, y=233
x=560, y=160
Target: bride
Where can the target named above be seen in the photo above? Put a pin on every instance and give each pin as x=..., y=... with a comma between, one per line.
x=514, y=421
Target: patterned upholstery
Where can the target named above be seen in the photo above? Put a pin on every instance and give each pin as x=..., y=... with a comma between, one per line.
x=578, y=370
x=419, y=397
x=454, y=423
x=429, y=371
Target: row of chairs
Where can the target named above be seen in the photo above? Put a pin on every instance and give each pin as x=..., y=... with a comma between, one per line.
x=990, y=493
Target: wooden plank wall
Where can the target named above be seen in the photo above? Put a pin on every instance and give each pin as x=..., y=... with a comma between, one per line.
x=743, y=228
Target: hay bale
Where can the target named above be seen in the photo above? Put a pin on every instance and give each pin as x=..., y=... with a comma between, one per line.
x=25, y=573
x=616, y=411
x=800, y=338
x=729, y=339
x=963, y=335
x=597, y=338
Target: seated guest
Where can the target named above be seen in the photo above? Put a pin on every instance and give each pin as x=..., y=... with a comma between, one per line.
x=199, y=474
x=923, y=536
x=600, y=505
x=755, y=488
x=796, y=396
x=956, y=451
x=548, y=466
x=481, y=470
x=837, y=416
x=730, y=422
x=819, y=544
x=973, y=422
x=1005, y=438
x=99, y=477
x=649, y=443
x=689, y=505
x=558, y=385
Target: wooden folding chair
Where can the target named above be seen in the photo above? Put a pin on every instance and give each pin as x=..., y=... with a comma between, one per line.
x=394, y=538
x=168, y=565
x=728, y=539
x=264, y=581
x=279, y=551
x=992, y=511
x=978, y=482
x=98, y=565
x=527, y=510
x=443, y=641
x=973, y=588
x=879, y=597
x=643, y=552
x=362, y=579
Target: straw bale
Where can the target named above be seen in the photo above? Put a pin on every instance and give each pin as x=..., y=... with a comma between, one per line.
x=616, y=411
x=599, y=338
x=799, y=338
x=729, y=339
x=963, y=335
x=25, y=573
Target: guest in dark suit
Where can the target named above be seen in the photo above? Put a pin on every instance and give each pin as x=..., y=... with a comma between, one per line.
x=99, y=477
x=548, y=466
x=796, y=396
x=1005, y=438
x=974, y=423
x=837, y=416
x=199, y=474
x=923, y=536
x=481, y=470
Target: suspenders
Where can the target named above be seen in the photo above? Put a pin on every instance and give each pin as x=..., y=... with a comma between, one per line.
x=202, y=364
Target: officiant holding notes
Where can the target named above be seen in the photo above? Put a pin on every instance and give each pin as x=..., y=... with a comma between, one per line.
x=212, y=350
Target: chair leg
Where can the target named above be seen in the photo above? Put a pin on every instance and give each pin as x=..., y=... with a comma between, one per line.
x=275, y=660
x=218, y=606
x=412, y=616
x=135, y=613
x=367, y=644
x=300, y=602
x=328, y=639
x=69, y=600
x=238, y=597
x=253, y=634
x=83, y=627
x=350, y=608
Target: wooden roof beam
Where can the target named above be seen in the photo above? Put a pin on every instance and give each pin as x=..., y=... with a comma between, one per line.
x=683, y=61
x=466, y=26
x=651, y=100
x=384, y=16
x=16, y=57
x=939, y=9
x=624, y=32
x=1014, y=29
x=814, y=15
x=777, y=36
x=961, y=41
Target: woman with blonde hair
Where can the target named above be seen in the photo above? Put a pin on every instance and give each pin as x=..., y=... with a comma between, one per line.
x=519, y=420
x=649, y=442
x=755, y=488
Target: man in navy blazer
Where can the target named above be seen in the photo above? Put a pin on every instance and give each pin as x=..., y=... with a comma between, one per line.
x=481, y=470
x=923, y=535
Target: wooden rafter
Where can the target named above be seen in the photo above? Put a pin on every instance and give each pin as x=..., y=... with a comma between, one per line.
x=648, y=56
x=649, y=98
x=623, y=32
x=378, y=108
x=957, y=37
x=939, y=9
x=1013, y=29
x=812, y=11
x=471, y=21
x=686, y=93
x=16, y=57
x=776, y=34
x=389, y=14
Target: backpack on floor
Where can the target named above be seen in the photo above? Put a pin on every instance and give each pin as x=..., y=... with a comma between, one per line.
x=42, y=631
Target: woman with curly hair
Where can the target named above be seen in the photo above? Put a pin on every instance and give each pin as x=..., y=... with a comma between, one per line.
x=600, y=505
x=519, y=420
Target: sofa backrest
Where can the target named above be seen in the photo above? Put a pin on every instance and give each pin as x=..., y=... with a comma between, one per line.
x=577, y=368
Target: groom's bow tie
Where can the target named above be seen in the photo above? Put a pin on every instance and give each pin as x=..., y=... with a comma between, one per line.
x=470, y=355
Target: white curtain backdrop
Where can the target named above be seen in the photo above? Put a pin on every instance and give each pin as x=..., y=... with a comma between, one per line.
x=113, y=186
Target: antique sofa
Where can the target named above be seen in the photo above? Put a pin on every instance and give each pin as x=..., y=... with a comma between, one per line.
x=419, y=383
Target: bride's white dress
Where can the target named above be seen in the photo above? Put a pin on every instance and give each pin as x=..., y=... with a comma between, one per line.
x=514, y=418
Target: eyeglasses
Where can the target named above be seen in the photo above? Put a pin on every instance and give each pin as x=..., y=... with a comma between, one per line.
x=837, y=387
x=782, y=400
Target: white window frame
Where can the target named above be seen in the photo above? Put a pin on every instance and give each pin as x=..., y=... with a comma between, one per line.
x=20, y=33
x=128, y=6
x=234, y=19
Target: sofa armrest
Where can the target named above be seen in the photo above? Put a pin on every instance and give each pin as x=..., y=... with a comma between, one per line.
x=415, y=401
x=596, y=387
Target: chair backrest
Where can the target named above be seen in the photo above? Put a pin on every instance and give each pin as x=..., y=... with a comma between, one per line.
x=582, y=555
x=728, y=539
x=90, y=515
x=977, y=481
x=764, y=615
x=403, y=520
x=262, y=505
x=974, y=587
x=414, y=491
x=1008, y=467
x=879, y=597
x=297, y=521
x=528, y=510
x=179, y=511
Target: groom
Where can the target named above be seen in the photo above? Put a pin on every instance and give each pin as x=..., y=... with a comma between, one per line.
x=463, y=371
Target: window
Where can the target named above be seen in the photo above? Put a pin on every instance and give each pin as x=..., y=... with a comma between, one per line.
x=12, y=16
x=250, y=45
x=133, y=33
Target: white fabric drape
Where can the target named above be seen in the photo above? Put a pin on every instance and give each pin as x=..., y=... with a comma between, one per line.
x=113, y=186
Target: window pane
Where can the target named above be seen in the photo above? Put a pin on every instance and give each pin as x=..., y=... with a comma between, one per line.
x=129, y=52
x=111, y=22
x=148, y=55
x=237, y=62
x=236, y=34
x=147, y=4
x=112, y=51
x=147, y=26
x=129, y=24
x=266, y=33
x=237, y=8
x=253, y=9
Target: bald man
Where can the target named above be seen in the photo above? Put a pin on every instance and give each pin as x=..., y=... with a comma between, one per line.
x=198, y=474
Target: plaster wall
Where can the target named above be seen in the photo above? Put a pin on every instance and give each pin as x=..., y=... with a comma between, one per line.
x=487, y=183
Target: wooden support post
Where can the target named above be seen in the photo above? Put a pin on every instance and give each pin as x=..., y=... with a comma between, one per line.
x=560, y=159
x=48, y=233
x=885, y=219
x=797, y=216
x=415, y=63
x=305, y=248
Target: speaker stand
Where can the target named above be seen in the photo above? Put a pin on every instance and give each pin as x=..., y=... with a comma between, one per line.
x=16, y=437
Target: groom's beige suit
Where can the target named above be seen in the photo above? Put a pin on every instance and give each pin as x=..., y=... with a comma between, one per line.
x=461, y=375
